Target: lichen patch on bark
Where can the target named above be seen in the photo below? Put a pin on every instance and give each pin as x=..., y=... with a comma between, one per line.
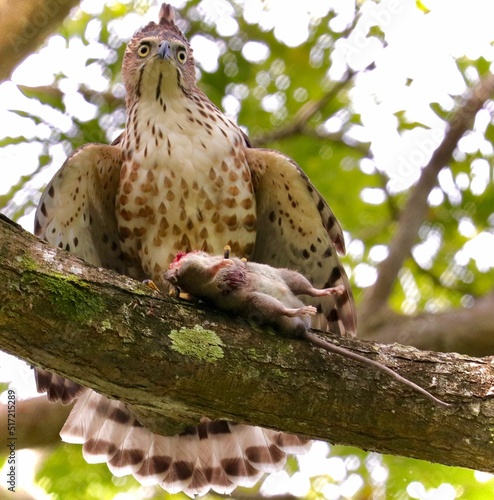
x=197, y=342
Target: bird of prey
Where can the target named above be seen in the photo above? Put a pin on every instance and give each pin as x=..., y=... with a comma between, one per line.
x=184, y=177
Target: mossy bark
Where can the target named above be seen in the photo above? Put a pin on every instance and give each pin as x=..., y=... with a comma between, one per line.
x=110, y=333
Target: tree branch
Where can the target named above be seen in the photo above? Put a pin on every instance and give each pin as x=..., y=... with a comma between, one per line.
x=299, y=122
x=25, y=25
x=415, y=210
x=31, y=430
x=108, y=332
x=466, y=330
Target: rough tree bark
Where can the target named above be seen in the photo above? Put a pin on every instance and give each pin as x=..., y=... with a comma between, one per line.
x=174, y=361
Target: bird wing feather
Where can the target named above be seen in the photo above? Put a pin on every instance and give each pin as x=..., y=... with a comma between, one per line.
x=77, y=209
x=297, y=229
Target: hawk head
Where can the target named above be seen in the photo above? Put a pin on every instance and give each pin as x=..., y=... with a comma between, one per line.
x=158, y=60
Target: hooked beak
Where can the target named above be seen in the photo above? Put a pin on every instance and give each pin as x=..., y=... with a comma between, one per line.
x=164, y=50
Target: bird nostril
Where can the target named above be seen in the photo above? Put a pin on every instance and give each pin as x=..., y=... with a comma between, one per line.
x=164, y=50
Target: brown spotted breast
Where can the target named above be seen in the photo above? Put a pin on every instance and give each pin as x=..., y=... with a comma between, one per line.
x=185, y=183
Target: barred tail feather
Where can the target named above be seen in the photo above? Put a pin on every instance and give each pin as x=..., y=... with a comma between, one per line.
x=217, y=455
x=57, y=388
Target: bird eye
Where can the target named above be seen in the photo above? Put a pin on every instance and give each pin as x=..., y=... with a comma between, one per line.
x=143, y=50
x=182, y=55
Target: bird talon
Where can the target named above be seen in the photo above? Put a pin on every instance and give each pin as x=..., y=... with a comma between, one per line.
x=151, y=285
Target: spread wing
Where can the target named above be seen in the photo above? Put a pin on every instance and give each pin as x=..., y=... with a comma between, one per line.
x=76, y=212
x=297, y=229
x=77, y=209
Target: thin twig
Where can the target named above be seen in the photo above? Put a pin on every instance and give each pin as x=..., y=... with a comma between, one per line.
x=304, y=114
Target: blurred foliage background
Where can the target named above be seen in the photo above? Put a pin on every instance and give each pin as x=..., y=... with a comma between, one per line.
x=359, y=94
